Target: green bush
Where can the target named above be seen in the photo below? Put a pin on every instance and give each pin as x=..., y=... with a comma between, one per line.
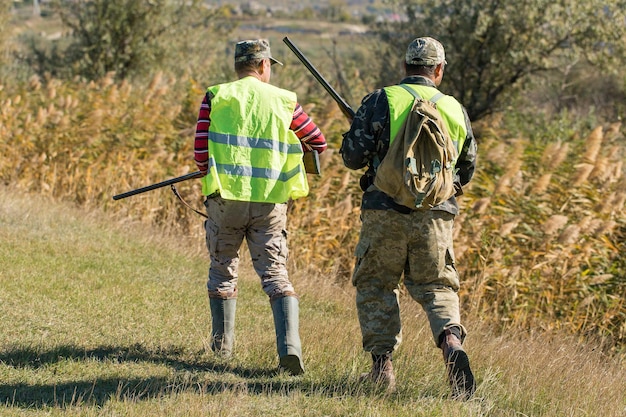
x=495, y=47
x=124, y=37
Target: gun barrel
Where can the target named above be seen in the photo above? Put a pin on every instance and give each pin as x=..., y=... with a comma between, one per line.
x=165, y=183
x=345, y=107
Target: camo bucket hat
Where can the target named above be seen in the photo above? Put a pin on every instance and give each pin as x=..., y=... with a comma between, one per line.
x=425, y=51
x=254, y=49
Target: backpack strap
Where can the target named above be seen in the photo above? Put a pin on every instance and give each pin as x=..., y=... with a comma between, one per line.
x=414, y=93
x=411, y=91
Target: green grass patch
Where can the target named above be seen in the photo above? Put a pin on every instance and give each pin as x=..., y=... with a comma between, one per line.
x=102, y=319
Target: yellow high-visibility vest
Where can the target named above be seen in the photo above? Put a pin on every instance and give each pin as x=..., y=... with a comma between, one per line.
x=253, y=155
x=450, y=109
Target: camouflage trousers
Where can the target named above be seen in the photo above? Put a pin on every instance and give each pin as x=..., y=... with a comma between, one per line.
x=417, y=246
x=263, y=225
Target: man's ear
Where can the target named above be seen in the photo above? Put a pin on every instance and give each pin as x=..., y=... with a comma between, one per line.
x=262, y=65
x=438, y=70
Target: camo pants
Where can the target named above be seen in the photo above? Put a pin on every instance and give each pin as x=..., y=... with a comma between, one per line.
x=418, y=245
x=263, y=225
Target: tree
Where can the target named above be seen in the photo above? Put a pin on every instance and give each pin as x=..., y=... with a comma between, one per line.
x=494, y=45
x=5, y=15
x=336, y=11
x=124, y=37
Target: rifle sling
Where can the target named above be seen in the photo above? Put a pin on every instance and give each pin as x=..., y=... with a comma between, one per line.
x=177, y=194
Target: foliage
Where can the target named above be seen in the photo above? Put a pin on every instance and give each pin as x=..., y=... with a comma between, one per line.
x=339, y=61
x=576, y=89
x=538, y=240
x=336, y=11
x=83, y=140
x=540, y=237
x=549, y=213
x=492, y=47
x=5, y=9
x=126, y=38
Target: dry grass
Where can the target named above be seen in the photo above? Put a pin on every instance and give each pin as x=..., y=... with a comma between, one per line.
x=539, y=243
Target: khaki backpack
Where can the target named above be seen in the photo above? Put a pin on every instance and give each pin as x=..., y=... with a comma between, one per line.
x=418, y=169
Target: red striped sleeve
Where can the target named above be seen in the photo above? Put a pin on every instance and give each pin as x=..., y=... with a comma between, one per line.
x=307, y=131
x=201, y=142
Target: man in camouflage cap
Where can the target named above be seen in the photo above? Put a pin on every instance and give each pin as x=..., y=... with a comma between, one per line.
x=399, y=244
x=426, y=52
x=254, y=49
x=250, y=140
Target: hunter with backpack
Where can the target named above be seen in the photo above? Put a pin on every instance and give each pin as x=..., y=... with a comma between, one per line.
x=419, y=150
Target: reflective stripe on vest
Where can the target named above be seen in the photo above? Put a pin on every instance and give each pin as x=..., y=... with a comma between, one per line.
x=451, y=111
x=256, y=157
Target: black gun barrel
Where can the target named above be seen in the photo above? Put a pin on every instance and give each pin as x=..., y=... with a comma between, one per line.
x=345, y=107
x=197, y=174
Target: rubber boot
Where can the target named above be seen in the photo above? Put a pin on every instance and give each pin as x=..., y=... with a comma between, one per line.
x=286, y=323
x=223, y=325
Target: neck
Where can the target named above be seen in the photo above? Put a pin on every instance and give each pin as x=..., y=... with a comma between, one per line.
x=254, y=74
x=421, y=75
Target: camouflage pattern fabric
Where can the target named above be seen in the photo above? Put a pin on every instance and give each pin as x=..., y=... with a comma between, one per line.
x=368, y=138
x=425, y=51
x=419, y=246
x=263, y=225
x=254, y=49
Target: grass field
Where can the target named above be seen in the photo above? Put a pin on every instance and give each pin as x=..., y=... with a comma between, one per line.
x=101, y=318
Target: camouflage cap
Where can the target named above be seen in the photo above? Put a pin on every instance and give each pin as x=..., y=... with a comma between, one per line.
x=253, y=49
x=425, y=51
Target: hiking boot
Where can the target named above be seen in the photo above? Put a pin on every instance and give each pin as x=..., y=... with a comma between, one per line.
x=458, y=366
x=382, y=373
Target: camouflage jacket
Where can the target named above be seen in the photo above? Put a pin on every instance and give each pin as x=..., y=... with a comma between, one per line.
x=369, y=136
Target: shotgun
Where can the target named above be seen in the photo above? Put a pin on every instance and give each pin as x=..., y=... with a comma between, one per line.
x=197, y=174
x=343, y=106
